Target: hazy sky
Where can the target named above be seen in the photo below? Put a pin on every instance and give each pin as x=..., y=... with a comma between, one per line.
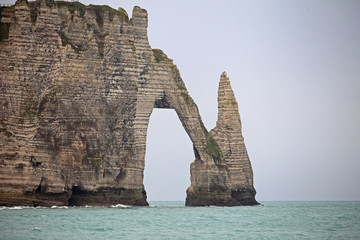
x=295, y=69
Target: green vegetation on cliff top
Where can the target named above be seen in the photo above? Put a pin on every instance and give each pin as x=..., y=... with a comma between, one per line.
x=99, y=9
x=161, y=57
x=72, y=8
x=34, y=6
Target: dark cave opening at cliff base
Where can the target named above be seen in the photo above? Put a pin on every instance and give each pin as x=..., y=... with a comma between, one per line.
x=169, y=152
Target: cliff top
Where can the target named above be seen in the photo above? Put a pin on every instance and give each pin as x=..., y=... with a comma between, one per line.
x=74, y=8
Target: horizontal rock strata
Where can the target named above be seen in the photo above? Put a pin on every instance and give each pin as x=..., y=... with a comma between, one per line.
x=228, y=135
x=78, y=85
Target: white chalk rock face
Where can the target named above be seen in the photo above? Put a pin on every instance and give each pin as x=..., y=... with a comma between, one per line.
x=78, y=85
x=228, y=135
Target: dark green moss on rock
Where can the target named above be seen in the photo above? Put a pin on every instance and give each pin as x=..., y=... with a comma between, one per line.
x=5, y=27
x=28, y=108
x=73, y=7
x=107, y=197
x=94, y=161
x=106, y=8
x=34, y=199
x=100, y=10
x=4, y=31
x=245, y=197
x=188, y=99
x=213, y=148
x=160, y=56
x=205, y=198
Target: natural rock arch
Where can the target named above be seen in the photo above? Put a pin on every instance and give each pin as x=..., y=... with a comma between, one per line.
x=169, y=153
x=209, y=174
x=76, y=107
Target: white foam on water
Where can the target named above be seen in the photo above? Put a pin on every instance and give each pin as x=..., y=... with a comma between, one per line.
x=28, y=207
x=36, y=229
x=16, y=208
x=120, y=206
x=59, y=207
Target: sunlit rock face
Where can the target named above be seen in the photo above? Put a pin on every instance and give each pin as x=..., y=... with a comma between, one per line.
x=78, y=84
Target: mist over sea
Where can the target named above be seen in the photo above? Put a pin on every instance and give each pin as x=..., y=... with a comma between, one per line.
x=172, y=220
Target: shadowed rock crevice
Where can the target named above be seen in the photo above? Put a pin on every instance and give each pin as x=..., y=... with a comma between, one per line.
x=78, y=85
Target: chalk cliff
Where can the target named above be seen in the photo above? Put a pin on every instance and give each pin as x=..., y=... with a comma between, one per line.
x=228, y=135
x=78, y=85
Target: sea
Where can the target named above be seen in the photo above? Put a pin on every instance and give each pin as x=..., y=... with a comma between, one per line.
x=172, y=220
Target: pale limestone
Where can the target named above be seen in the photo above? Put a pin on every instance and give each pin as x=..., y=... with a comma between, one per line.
x=77, y=91
x=228, y=135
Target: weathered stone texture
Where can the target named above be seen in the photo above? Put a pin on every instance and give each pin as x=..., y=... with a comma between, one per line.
x=78, y=85
x=228, y=135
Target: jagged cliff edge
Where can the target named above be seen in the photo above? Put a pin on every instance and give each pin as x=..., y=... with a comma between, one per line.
x=78, y=84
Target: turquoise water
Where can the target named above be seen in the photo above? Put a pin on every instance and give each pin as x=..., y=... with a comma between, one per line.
x=171, y=220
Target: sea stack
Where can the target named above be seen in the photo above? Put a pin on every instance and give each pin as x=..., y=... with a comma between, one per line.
x=228, y=135
x=77, y=87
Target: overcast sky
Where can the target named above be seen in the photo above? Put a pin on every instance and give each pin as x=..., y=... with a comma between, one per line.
x=295, y=69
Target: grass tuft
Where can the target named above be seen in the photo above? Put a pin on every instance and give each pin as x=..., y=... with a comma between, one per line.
x=94, y=161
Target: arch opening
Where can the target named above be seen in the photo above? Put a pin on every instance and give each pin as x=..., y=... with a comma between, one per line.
x=169, y=152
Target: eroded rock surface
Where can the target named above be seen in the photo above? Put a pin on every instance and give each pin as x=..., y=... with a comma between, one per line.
x=78, y=84
x=228, y=135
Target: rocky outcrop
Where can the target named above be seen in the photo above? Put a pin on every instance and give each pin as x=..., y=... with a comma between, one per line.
x=78, y=85
x=228, y=135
